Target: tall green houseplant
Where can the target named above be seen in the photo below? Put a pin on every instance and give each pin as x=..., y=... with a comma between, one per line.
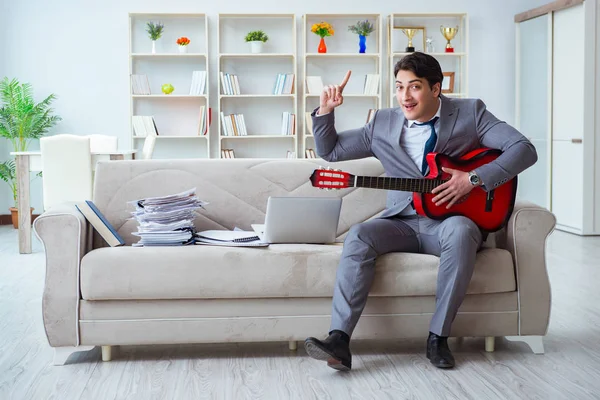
x=21, y=119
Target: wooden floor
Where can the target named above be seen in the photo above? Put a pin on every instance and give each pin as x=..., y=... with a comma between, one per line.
x=570, y=369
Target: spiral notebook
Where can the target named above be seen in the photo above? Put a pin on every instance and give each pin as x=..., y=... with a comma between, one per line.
x=229, y=238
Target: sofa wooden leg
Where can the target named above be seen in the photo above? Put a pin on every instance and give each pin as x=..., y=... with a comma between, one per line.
x=293, y=345
x=535, y=342
x=490, y=341
x=106, y=353
x=61, y=354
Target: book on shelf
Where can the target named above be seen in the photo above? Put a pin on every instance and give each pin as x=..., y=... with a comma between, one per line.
x=284, y=84
x=233, y=125
x=309, y=123
x=310, y=153
x=314, y=84
x=140, y=84
x=205, y=119
x=291, y=154
x=230, y=84
x=371, y=114
x=144, y=125
x=371, y=84
x=227, y=153
x=288, y=123
x=100, y=223
x=198, y=83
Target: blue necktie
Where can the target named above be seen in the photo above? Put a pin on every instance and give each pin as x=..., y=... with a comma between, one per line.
x=430, y=144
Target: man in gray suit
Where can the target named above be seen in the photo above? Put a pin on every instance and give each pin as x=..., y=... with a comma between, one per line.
x=424, y=122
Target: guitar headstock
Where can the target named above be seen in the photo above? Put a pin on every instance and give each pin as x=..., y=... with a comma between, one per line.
x=329, y=178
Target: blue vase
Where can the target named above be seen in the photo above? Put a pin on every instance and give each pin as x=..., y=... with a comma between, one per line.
x=362, y=43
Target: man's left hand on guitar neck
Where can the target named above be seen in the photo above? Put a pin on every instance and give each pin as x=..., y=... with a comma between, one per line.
x=454, y=189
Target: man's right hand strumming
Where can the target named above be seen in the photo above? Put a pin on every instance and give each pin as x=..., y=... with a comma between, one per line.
x=331, y=96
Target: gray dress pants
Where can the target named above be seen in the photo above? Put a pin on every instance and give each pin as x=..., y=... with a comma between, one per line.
x=455, y=240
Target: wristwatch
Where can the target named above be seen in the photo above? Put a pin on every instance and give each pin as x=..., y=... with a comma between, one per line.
x=474, y=179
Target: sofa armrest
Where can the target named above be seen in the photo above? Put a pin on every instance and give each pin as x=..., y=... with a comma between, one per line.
x=525, y=237
x=63, y=231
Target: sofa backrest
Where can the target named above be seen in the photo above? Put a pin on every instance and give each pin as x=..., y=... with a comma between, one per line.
x=237, y=189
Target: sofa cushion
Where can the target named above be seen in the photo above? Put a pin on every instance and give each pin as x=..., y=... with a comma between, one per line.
x=282, y=270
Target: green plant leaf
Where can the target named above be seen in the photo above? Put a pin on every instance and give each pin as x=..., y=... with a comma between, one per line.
x=21, y=119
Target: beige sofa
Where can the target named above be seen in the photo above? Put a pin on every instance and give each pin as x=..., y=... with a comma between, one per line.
x=101, y=296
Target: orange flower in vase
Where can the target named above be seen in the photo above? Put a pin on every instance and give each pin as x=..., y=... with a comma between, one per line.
x=183, y=43
x=322, y=29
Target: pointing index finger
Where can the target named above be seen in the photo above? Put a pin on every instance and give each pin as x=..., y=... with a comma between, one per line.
x=346, y=79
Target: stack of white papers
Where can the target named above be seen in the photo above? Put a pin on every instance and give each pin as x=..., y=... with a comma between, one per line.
x=166, y=220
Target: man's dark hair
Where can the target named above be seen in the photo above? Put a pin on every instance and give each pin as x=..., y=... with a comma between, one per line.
x=422, y=65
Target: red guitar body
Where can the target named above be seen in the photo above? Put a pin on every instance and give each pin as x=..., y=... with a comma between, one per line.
x=490, y=215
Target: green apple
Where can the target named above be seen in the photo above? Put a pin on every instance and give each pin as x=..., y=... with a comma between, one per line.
x=167, y=88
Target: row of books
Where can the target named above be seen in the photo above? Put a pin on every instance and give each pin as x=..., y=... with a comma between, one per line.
x=227, y=153
x=314, y=84
x=230, y=84
x=288, y=123
x=310, y=153
x=140, y=84
x=371, y=86
x=144, y=125
x=284, y=84
x=233, y=125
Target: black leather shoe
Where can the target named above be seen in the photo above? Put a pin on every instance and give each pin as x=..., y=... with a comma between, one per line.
x=438, y=352
x=334, y=350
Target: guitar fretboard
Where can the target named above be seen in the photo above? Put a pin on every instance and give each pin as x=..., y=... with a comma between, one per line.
x=403, y=184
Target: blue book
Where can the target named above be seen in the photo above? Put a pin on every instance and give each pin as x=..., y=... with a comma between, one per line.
x=100, y=223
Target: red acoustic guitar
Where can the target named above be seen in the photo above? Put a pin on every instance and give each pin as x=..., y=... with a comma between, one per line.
x=489, y=210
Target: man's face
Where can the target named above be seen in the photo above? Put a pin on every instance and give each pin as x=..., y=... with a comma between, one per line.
x=417, y=100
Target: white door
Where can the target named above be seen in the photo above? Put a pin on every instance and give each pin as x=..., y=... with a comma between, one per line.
x=567, y=117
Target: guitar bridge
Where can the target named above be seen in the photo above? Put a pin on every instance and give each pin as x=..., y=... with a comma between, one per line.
x=489, y=200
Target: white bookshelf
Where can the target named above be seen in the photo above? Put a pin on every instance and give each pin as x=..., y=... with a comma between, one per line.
x=450, y=62
x=257, y=74
x=342, y=55
x=176, y=115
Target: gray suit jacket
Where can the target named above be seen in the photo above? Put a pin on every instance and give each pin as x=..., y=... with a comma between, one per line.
x=465, y=125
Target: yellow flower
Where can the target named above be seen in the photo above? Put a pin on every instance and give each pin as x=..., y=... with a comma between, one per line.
x=322, y=29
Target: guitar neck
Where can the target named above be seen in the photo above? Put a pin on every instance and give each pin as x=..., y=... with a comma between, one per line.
x=403, y=184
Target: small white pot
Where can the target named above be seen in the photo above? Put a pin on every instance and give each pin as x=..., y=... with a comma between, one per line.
x=154, y=47
x=182, y=49
x=256, y=46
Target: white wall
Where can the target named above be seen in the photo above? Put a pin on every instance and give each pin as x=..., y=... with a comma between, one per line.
x=4, y=192
x=78, y=49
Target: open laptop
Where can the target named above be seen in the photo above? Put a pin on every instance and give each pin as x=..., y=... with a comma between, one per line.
x=300, y=220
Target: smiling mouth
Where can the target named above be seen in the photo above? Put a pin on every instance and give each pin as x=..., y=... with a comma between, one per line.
x=409, y=107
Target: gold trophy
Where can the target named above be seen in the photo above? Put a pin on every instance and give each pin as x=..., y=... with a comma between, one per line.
x=449, y=34
x=410, y=34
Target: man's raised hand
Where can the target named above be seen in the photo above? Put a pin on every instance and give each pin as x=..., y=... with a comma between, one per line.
x=331, y=95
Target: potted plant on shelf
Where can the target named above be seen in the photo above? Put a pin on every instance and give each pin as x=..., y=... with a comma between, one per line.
x=322, y=29
x=21, y=121
x=183, y=43
x=257, y=40
x=362, y=29
x=155, y=31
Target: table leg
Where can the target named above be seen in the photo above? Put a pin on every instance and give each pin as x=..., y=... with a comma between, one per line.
x=23, y=204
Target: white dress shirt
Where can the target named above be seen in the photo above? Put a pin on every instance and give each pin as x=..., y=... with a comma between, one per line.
x=413, y=137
